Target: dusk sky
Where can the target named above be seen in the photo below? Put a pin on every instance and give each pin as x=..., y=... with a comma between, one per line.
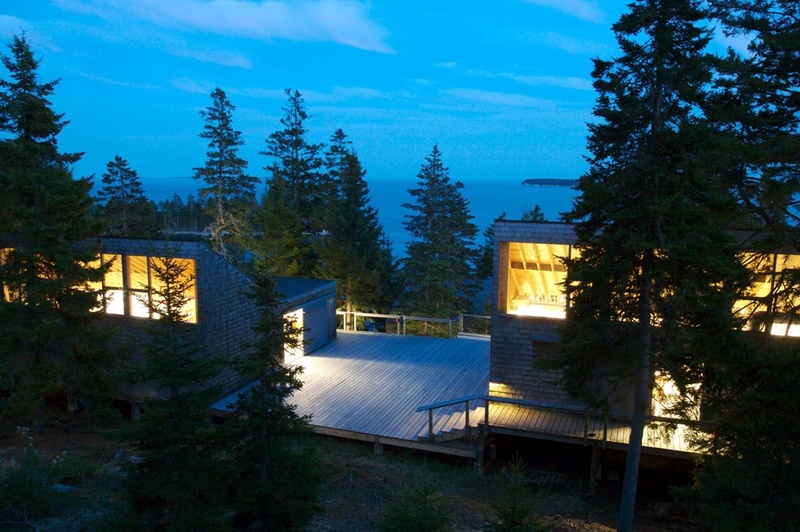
x=502, y=86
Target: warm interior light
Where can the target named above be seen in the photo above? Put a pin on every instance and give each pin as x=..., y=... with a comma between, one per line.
x=533, y=278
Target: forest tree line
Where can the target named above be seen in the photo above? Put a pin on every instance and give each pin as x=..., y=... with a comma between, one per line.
x=315, y=218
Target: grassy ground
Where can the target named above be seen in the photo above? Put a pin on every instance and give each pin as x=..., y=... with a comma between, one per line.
x=360, y=490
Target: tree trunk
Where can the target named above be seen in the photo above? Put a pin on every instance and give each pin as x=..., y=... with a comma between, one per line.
x=640, y=405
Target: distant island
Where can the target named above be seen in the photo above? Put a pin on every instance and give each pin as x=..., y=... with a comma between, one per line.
x=551, y=182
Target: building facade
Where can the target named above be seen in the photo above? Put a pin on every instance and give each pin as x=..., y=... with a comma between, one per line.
x=531, y=300
x=218, y=307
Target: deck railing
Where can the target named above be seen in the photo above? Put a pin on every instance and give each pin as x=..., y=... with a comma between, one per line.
x=402, y=324
x=588, y=415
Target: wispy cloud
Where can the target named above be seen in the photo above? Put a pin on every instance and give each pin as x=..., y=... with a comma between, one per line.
x=171, y=43
x=131, y=84
x=363, y=93
x=268, y=94
x=345, y=22
x=220, y=57
x=570, y=45
x=447, y=64
x=563, y=82
x=500, y=98
x=583, y=9
x=192, y=86
x=10, y=26
x=554, y=81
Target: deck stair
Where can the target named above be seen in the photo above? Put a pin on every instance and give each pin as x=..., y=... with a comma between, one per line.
x=452, y=420
x=466, y=419
x=454, y=426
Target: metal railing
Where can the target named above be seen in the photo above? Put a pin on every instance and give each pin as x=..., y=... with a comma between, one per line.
x=402, y=324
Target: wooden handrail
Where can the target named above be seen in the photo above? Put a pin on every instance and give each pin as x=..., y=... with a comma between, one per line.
x=586, y=412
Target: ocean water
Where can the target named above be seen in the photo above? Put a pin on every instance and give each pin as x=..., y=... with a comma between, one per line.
x=487, y=199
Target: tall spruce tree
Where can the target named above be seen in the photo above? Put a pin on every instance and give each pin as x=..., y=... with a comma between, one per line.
x=49, y=344
x=350, y=251
x=126, y=211
x=280, y=244
x=439, y=267
x=296, y=170
x=277, y=473
x=179, y=480
x=657, y=274
x=751, y=481
x=758, y=102
x=229, y=191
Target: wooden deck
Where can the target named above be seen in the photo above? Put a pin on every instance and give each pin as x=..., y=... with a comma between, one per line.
x=566, y=427
x=368, y=386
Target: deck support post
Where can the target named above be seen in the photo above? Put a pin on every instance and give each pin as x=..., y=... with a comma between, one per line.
x=430, y=424
x=594, y=468
x=586, y=428
x=378, y=447
x=466, y=417
x=478, y=466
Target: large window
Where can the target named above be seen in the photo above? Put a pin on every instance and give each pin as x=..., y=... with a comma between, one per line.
x=531, y=279
x=773, y=296
x=129, y=282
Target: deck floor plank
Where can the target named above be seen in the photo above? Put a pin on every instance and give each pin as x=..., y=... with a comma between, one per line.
x=372, y=384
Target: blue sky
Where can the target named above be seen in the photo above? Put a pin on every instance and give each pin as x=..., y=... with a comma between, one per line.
x=502, y=86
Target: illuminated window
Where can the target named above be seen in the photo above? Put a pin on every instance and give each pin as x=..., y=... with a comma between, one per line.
x=129, y=283
x=291, y=353
x=8, y=293
x=666, y=396
x=138, y=286
x=113, y=285
x=532, y=277
x=187, y=276
x=771, y=302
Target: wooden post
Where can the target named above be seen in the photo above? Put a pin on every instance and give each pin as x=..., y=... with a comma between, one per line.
x=430, y=424
x=593, y=470
x=466, y=417
x=586, y=428
x=486, y=415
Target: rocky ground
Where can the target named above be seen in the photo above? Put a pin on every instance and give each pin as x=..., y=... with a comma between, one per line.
x=360, y=487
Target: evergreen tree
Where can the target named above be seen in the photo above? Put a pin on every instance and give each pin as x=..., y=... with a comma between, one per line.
x=656, y=278
x=49, y=344
x=178, y=480
x=295, y=169
x=125, y=208
x=438, y=271
x=758, y=102
x=533, y=215
x=751, y=479
x=279, y=244
x=277, y=475
x=485, y=265
x=350, y=251
x=229, y=191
